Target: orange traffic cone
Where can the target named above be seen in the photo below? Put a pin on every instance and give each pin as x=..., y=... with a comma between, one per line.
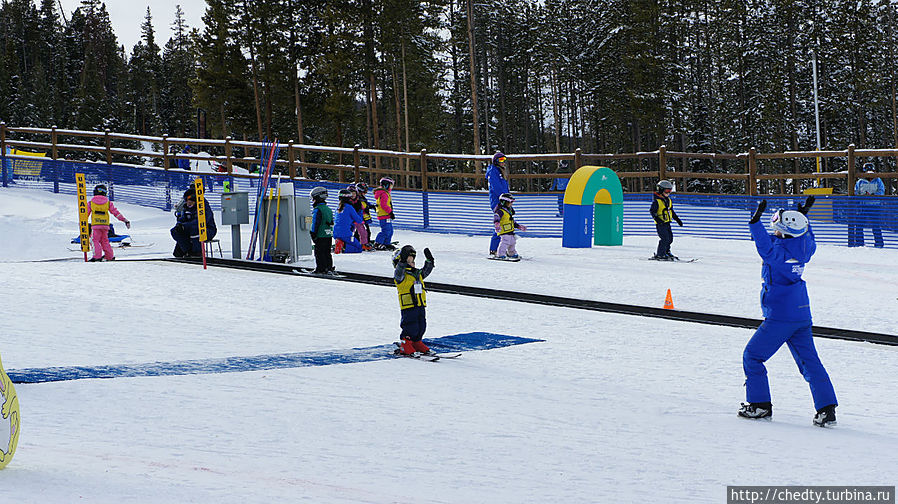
x=668, y=301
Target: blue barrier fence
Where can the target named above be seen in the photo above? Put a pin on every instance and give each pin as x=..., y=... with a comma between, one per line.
x=842, y=220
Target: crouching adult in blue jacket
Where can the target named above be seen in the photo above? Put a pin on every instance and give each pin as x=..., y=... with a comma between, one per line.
x=187, y=232
x=787, y=314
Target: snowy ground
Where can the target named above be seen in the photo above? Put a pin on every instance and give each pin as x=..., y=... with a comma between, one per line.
x=610, y=408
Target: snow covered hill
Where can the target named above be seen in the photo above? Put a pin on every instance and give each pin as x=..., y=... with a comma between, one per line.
x=610, y=408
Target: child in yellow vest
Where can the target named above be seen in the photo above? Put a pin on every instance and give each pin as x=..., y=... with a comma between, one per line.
x=505, y=225
x=412, y=299
x=100, y=207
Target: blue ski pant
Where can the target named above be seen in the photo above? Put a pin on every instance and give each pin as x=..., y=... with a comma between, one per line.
x=413, y=323
x=665, y=233
x=494, y=242
x=385, y=237
x=768, y=338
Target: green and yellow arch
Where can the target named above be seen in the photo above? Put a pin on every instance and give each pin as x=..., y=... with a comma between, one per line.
x=593, y=201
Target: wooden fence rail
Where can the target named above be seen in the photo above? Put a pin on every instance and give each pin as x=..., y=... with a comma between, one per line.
x=435, y=171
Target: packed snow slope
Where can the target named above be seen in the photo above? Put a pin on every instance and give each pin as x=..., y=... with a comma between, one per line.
x=610, y=408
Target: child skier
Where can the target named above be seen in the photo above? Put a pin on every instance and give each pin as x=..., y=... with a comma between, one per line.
x=362, y=190
x=504, y=222
x=99, y=208
x=322, y=231
x=345, y=222
x=385, y=215
x=361, y=231
x=662, y=211
x=412, y=299
x=787, y=314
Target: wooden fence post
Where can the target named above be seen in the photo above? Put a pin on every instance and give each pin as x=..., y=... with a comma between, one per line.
x=54, y=151
x=852, y=170
x=291, y=159
x=165, y=149
x=578, y=161
x=662, y=162
x=356, y=160
x=425, y=185
x=752, y=172
x=229, y=155
x=108, y=146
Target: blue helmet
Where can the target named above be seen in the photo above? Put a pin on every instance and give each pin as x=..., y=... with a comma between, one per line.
x=791, y=223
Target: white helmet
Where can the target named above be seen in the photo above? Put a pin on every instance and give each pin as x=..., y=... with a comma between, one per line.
x=790, y=223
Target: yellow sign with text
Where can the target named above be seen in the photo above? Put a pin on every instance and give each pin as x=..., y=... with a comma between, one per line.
x=201, y=208
x=84, y=231
x=9, y=411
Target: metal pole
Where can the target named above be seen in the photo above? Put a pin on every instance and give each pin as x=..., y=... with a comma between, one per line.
x=816, y=108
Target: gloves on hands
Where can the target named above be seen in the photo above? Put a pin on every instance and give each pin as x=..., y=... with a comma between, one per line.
x=522, y=227
x=808, y=203
x=392, y=216
x=428, y=255
x=128, y=224
x=760, y=210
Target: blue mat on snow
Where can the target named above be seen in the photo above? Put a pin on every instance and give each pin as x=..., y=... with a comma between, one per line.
x=466, y=342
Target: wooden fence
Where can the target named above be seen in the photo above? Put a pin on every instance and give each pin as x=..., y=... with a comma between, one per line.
x=779, y=173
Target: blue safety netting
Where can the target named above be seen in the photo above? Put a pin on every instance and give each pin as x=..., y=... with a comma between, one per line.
x=837, y=219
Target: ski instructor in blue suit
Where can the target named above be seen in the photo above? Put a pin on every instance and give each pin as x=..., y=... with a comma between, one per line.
x=496, y=176
x=787, y=314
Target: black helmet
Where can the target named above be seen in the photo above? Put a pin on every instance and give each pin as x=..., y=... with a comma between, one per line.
x=664, y=185
x=506, y=198
x=402, y=254
x=362, y=187
x=100, y=189
x=318, y=193
x=344, y=194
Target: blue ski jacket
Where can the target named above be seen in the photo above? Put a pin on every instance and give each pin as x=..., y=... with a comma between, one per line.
x=498, y=184
x=784, y=295
x=343, y=222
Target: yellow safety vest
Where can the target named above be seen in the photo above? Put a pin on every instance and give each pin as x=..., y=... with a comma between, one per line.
x=380, y=211
x=506, y=222
x=99, y=214
x=664, y=206
x=411, y=290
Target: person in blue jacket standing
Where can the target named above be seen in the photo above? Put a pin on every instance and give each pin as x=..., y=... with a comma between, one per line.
x=344, y=224
x=787, y=314
x=497, y=178
x=868, y=212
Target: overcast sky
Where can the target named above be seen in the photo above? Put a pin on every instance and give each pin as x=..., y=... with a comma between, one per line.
x=127, y=16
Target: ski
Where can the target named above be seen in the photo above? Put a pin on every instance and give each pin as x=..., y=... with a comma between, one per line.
x=690, y=260
x=418, y=356
x=308, y=272
x=119, y=246
x=494, y=258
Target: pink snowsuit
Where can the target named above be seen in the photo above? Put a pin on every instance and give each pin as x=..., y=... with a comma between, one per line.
x=99, y=233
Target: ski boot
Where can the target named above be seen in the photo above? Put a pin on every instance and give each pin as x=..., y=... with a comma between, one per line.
x=671, y=257
x=826, y=416
x=338, y=247
x=756, y=411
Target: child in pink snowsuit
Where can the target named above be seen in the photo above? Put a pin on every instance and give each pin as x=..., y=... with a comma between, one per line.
x=99, y=208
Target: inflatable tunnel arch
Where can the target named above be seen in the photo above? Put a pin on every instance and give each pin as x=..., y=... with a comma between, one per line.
x=593, y=200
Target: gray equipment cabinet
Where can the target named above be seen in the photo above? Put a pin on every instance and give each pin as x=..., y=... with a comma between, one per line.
x=292, y=228
x=234, y=212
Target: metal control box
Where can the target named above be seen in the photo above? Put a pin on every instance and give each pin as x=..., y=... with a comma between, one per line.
x=234, y=208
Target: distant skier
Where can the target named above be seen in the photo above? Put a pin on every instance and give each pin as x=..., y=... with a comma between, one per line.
x=412, y=299
x=662, y=211
x=787, y=314
x=385, y=215
x=505, y=224
x=100, y=207
x=186, y=232
x=360, y=229
x=344, y=224
x=322, y=231
x=362, y=190
x=497, y=178
x=868, y=212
